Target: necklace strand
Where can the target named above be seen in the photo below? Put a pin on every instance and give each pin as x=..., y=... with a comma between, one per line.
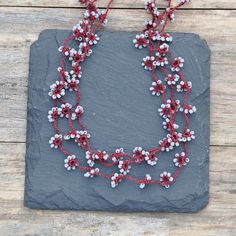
x=156, y=40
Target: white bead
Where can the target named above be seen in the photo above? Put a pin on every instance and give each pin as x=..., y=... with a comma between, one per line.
x=142, y=185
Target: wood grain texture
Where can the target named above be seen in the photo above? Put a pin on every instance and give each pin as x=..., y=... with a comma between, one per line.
x=216, y=4
x=216, y=219
x=21, y=28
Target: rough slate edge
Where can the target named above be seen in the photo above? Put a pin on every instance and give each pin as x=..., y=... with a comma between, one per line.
x=195, y=205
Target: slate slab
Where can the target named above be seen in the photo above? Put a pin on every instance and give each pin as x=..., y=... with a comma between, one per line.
x=120, y=112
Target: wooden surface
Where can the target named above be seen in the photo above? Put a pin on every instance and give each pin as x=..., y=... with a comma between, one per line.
x=200, y=4
x=20, y=24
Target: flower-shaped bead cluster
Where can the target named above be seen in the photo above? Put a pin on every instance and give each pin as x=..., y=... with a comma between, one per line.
x=166, y=179
x=92, y=39
x=79, y=110
x=101, y=155
x=157, y=88
x=139, y=154
x=124, y=167
x=163, y=49
x=76, y=71
x=55, y=141
x=184, y=86
x=117, y=155
x=90, y=158
x=64, y=111
x=140, y=41
x=172, y=79
x=169, y=108
x=177, y=64
x=57, y=90
x=116, y=179
x=169, y=125
x=148, y=62
x=71, y=163
x=160, y=61
x=53, y=114
x=151, y=159
x=180, y=159
x=166, y=144
x=72, y=84
x=151, y=7
x=82, y=138
x=187, y=136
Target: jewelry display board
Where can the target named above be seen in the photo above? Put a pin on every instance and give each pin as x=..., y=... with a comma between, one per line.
x=120, y=112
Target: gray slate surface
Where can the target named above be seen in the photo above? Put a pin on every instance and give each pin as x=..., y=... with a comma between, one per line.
x=120, y=112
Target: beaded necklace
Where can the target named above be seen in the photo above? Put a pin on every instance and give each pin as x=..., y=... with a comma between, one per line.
x=155, y=40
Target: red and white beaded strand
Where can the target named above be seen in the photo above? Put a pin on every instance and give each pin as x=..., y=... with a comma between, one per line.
x=156, y=40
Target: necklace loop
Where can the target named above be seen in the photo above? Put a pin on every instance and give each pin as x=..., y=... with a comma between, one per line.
x=160, y=58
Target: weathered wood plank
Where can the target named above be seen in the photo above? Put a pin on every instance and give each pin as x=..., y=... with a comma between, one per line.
x=25, y=23
x=216, y=4
x=21, y=26
x=216, y=219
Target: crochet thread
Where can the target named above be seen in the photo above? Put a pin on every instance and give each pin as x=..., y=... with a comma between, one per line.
x=156, y=41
